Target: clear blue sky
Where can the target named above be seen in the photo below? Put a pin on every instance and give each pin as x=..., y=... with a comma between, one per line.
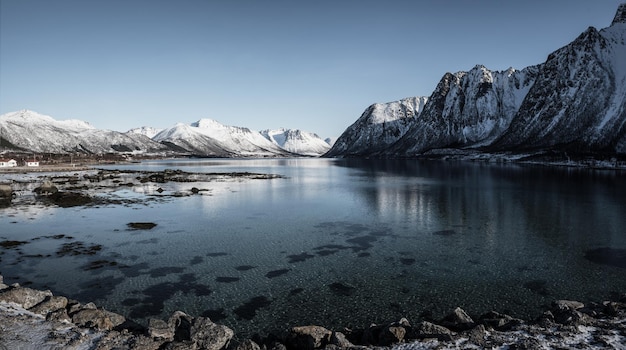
x=311, y=65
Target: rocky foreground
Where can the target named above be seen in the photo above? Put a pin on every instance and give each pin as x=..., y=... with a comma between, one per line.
x=35, y=319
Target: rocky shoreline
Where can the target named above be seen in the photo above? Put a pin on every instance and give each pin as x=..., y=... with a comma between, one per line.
x=31, y=318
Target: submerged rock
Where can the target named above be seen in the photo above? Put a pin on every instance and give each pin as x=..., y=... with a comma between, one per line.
x=141, y=225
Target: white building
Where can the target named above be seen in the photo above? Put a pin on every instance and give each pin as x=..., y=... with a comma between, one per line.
x=32, y=163
x=6, y=163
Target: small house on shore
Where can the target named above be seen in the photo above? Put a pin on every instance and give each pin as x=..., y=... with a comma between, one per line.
x=7, y=163
x=32, y=163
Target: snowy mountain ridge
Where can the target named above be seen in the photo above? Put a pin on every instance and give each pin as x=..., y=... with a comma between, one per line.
x=33, y=132
x=575, y=101
x=297, y=141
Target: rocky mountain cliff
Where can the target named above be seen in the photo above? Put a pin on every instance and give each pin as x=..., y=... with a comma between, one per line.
x=380, y=126
x=575, y=101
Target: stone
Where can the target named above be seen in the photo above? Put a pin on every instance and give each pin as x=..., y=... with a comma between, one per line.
x=73, y=306
x=458, y=320
x=160, y=329
x=59, y=315
x=477, y=335
x=564, y=305
x=114, y=340
x=308, y=337
x=181, y=323
x=2, y=285
x=50, y=304
x=46, y=188
x=339, y=339
x=430, y=330
x=391, y=335
x=210, y=336
x=98, y=318
x=248, y=345
x=24, y=296
x=499, y=322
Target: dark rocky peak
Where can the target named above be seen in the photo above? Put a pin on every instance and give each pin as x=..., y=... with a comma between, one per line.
x=620, y=15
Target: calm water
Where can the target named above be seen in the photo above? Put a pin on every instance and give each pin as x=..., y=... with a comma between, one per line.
x=336, y=243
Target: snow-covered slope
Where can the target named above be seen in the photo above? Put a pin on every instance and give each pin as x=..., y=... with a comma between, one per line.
x=208, y=137
x=380, y=126
x=34, y=132
x=297, y=141
x=575, y=101
x=148, y=131
x=468, y=109
x=578, y=102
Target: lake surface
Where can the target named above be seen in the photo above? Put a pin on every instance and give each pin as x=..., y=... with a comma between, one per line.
x=336, y=243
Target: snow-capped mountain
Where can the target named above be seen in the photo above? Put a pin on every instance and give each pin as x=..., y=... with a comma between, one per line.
x=148, y=131
x=208, y=137
x=578, y=101
x=575, y=101
x=467, y=109
x=34, y=132
x=380, y=126
x=297, y=141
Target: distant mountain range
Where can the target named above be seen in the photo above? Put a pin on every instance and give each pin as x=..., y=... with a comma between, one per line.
x=29, y=131
x=574, y=102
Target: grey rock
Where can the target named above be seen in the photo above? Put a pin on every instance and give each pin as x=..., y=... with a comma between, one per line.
x=308, y=337
x=23, y=296
x=564, y=305
x=498, y=321
x=339, y=339
x=114, y=340
x=73, y=306
x=160, y=329
x=248, y=345
x=391, y=335
x=181, y=323
x=210, y=336
x=98, y=318
x=46, y=188
x=50, y=304
x=431, y=330
x=59, y=315
x=458, y=320
x=477, y=335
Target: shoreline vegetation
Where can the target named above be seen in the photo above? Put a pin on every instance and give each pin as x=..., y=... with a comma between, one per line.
x=36, y=318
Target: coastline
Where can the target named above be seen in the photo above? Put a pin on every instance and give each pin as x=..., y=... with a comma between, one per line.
x=32, y=318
